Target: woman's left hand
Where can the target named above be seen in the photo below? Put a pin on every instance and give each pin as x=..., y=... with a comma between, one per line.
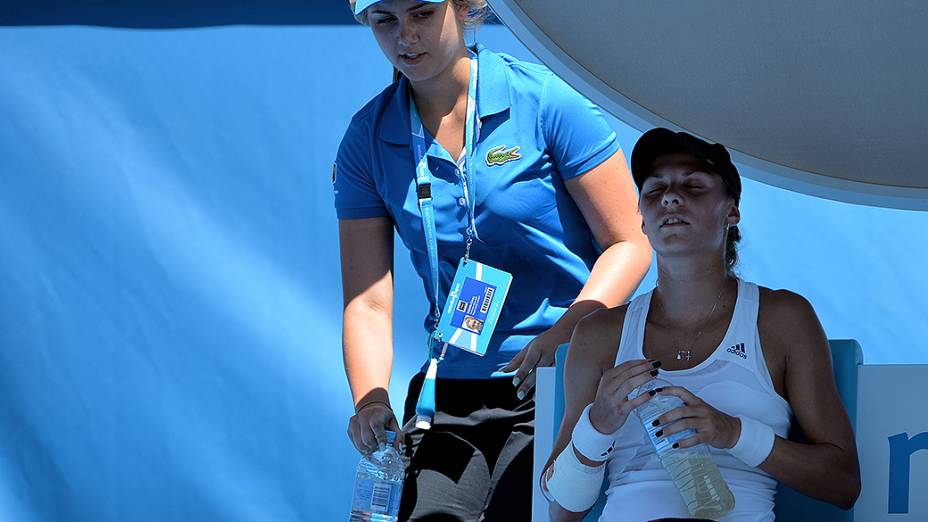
x=713, y=427
x=537, y=353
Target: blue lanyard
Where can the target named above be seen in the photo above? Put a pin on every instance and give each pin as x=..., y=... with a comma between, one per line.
x=425, y=406
x=424, y=183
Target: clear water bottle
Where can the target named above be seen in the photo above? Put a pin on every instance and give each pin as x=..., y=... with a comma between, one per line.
x=378, y=485
x=693, y=470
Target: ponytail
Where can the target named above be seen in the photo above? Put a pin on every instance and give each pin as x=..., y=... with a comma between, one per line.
x=731, y=248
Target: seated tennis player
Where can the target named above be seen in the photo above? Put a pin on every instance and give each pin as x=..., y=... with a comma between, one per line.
x=745, y=360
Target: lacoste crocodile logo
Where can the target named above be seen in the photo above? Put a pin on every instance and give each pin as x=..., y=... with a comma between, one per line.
x=500, y=154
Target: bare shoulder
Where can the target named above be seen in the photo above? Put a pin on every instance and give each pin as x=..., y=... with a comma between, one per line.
x=788, y=320
x=782, y=308
x=595, y=341
x=593, y=348
x=605, y=317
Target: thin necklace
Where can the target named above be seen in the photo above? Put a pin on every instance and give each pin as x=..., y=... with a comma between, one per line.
x=686, y=354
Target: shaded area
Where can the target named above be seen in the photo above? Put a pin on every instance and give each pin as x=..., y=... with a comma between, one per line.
x=174, y=14
x=821, y=101
x=171, y=307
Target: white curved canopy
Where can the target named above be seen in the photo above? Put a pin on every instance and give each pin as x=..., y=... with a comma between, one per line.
x=824, y=98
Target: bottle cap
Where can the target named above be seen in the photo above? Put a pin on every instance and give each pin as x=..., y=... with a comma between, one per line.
x=391, y=436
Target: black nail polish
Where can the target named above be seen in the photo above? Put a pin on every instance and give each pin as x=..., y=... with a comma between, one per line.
x=658, y=390
x=654, y=372
x=656, y=364
x=652, y=393
x=659, y=433
x=675, y=445
x=655, y=423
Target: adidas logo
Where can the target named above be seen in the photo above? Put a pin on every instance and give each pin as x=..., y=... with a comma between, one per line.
x=738, y=350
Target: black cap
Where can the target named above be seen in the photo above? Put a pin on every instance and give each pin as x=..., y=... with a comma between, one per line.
x=659, y=141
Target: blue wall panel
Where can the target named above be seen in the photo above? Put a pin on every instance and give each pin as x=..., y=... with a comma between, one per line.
x=170, y=304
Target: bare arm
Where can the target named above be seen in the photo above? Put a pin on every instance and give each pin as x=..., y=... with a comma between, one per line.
x=607, y=199
x=582, y=372
x=826, y=465
x=591, y=377
x=367, y=282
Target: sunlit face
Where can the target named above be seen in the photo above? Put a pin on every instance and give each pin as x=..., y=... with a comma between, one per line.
x=685, y=208
x=420, y=39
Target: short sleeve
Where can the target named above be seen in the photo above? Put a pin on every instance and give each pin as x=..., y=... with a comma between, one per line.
x=356, y=193
x=577, y=134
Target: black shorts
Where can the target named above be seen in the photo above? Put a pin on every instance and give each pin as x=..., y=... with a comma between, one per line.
x=475, y=463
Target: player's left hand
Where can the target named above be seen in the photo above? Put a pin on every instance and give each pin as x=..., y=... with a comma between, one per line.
x=713, y=427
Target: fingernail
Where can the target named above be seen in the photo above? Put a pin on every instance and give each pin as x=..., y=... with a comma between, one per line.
x=654, y=372
x=656, y=364
x=516, y=381
x=675, y=445
x=651, y=393
x=520, y=395
x=659, y=433
x=655, y=423
x=658, y=390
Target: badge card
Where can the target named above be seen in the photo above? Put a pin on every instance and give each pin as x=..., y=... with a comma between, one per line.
x=473, y=306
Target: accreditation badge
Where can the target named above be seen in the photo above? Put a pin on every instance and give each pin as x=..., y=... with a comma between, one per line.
x=473, y=306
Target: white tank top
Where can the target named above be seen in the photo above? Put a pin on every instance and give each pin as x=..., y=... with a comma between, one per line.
x=733, y=379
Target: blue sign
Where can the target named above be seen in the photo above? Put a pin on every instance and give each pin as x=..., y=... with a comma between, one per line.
x=901, y=448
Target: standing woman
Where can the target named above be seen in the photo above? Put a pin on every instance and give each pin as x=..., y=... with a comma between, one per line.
x=475, y=159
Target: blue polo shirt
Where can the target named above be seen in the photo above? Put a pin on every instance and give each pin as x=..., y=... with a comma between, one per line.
x=527, y=223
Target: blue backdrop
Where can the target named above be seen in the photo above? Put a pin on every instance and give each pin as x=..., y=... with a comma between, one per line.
x=170, y=303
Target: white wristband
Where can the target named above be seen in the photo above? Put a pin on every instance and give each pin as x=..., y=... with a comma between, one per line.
x=589, y=442
x=755, y=442
x=572, y=484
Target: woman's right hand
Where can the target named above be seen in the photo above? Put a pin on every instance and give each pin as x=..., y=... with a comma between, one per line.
x=612, y=407
x=367, y=428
